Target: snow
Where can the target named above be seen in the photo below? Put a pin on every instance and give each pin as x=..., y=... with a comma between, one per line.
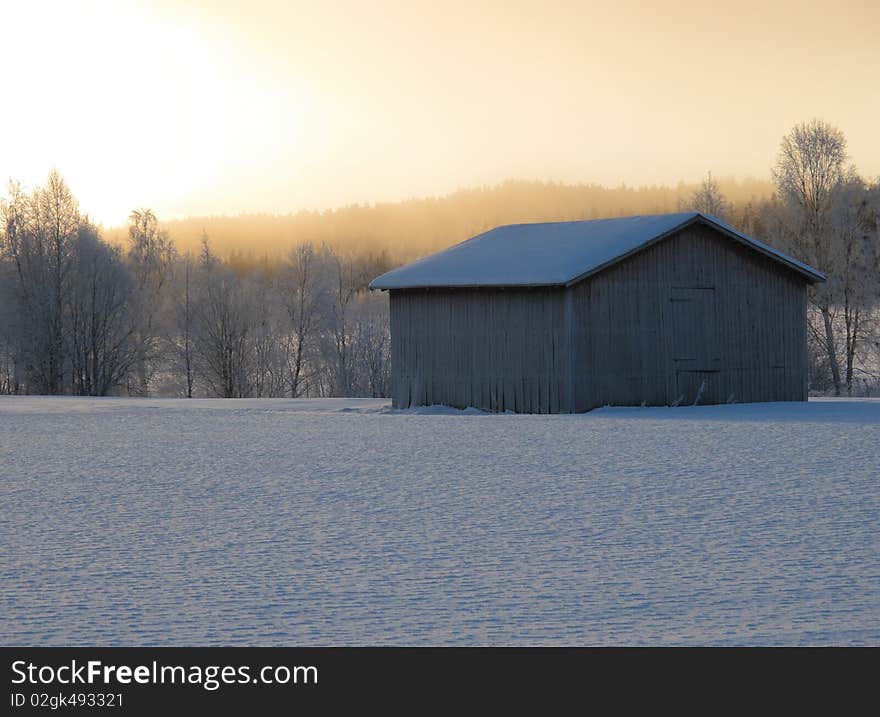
x=553, y=253
x=342, y=522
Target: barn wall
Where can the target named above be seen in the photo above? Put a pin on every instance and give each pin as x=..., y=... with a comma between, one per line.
x=695, y=315
x=497, y=350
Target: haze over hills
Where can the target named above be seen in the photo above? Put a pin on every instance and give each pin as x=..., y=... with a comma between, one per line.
x=414, y=227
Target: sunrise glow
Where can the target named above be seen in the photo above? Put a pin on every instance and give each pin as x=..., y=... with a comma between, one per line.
x=217, y=107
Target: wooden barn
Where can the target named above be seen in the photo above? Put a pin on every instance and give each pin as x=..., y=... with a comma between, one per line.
x=672, y=309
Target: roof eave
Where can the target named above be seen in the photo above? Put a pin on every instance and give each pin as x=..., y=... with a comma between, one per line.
x=414, y=287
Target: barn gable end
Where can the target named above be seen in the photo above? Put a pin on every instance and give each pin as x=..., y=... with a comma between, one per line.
x=694, y=318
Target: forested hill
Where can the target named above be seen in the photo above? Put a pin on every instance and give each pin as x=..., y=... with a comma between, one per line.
x=414, y=227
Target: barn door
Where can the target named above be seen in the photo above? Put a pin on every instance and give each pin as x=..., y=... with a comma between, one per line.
x=696, y=354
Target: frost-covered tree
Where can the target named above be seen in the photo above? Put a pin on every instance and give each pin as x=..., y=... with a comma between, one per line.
x=854, y=268
x=814, y=183
x=149, y=257
x=372, y=345
x=102, y=346
x=708, y=199
x=269, y=375
x=182, y=334
x=226, y=322
x=303, y=287
x=80, y=314
x=11, y=331
x=347, y=277
x=39, y=236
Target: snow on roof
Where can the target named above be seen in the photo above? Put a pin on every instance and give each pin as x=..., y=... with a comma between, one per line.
x=557, y=253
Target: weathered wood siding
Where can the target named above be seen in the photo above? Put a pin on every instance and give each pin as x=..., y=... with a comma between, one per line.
x=499, y=350
x=693, y=317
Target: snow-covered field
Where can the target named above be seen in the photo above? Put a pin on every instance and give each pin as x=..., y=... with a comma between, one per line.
x=136, y=521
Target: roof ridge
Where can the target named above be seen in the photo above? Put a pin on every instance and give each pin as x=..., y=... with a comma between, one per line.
x=558, y=253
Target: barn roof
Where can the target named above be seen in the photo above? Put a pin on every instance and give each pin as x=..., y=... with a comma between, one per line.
x=558, y=253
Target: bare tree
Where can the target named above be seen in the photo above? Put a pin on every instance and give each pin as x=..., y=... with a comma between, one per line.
x=101, y=347
x=708, y=199
x=225, y=325
x=855, y=264
x=347, y=278
x=811, y=171
x=39, y=234
x=268, y=335
x=372, y=342
x=11, y=331
x=184, y=309
x=149, y=257
x=301, y=285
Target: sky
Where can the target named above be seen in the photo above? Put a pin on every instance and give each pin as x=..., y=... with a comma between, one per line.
x=192, y=107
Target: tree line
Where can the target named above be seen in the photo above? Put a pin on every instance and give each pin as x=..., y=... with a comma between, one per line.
x=82, y=316
x=89, y=312
x=411, y=228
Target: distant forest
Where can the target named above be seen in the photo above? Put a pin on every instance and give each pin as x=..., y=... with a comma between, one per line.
x=406, y=230
x=259, y=305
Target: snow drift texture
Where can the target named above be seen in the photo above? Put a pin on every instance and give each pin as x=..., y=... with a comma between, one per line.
x=279, y=522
